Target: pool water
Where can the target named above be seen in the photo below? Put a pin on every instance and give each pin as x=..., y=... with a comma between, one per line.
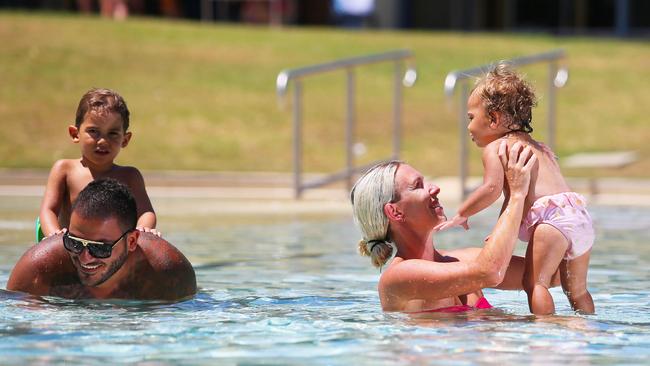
x=292, y=290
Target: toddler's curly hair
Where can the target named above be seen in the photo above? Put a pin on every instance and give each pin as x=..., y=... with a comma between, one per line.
x=504, y=90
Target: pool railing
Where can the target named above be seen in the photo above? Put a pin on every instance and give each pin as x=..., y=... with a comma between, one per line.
x=401, y=78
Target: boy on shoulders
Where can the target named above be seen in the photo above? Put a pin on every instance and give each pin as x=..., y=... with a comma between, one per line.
x=101, y=129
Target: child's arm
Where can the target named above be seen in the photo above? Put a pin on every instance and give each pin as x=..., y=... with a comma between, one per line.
x=53, y=198
x=146, y=214
x=484, y=195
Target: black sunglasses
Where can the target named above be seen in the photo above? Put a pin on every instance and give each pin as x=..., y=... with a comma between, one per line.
x=97, y=249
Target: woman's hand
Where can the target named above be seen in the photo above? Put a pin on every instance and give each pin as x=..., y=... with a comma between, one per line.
x=517, y=165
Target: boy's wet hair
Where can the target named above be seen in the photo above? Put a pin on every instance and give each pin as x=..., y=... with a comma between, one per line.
x=504, y=90
x=105, y=198
x=101, y=102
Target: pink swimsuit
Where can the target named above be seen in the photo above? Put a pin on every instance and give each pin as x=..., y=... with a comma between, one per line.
x=482, y=303
x=566, y=212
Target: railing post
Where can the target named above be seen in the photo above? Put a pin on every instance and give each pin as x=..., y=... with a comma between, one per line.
x=552, y=72
x=349, y=127
x=462, y=129
x=397, y=110
x=297, y=139
x=285, y=77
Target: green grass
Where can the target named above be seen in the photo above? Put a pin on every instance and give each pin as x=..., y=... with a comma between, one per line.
x=202, y=96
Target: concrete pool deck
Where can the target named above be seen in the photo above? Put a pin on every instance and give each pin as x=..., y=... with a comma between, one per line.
x=272, y=193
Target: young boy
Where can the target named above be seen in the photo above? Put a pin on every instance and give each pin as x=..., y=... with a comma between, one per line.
x=101, y=130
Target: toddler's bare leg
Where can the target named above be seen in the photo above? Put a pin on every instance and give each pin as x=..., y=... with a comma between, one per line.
x=545, y=251
x=574, y=283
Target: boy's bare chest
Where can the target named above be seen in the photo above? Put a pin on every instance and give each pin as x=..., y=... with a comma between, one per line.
x=78, y=179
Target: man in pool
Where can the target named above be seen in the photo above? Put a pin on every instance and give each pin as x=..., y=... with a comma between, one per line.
x=103, y=256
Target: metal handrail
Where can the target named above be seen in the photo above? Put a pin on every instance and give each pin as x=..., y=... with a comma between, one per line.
x=557, y=77
x=285, y=77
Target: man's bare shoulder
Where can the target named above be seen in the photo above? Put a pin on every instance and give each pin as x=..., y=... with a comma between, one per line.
x=162, y=255
x=168, y=265
x=35, y=269
x=48, y=251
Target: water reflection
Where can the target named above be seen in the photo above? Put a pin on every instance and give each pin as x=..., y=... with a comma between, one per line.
x=293, y=291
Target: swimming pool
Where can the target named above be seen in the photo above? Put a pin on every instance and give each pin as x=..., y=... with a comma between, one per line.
x=291, y=290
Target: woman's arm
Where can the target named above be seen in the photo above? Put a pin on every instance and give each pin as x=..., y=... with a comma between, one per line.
x=423, y=279
x=514, y=274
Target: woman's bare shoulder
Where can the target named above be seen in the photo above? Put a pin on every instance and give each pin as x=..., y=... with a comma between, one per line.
x=402, y=270
x=426, y=282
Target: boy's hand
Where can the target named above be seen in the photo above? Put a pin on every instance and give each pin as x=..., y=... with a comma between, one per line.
x=60, y=231
x=457, y=220
x=149, y=230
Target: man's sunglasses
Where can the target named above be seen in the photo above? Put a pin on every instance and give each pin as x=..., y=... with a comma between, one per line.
x=97, y=249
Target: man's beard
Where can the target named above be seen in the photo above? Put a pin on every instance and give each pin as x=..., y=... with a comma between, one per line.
x=113, y=267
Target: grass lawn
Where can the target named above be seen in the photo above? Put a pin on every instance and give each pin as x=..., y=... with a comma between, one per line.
x=202, y=96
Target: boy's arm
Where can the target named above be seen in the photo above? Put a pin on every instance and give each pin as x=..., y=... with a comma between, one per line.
x=146, y=214
x=53, y=198
x=488, y=192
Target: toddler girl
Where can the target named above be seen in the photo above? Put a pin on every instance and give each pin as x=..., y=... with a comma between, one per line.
x=556, y=224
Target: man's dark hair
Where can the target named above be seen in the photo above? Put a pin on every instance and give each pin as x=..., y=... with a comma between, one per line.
x=105, y=198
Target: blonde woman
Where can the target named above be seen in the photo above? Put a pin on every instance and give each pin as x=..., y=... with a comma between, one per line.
x=397, y=211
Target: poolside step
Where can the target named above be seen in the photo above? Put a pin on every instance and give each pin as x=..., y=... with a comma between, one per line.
x=614, y=159
x=609, y=160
